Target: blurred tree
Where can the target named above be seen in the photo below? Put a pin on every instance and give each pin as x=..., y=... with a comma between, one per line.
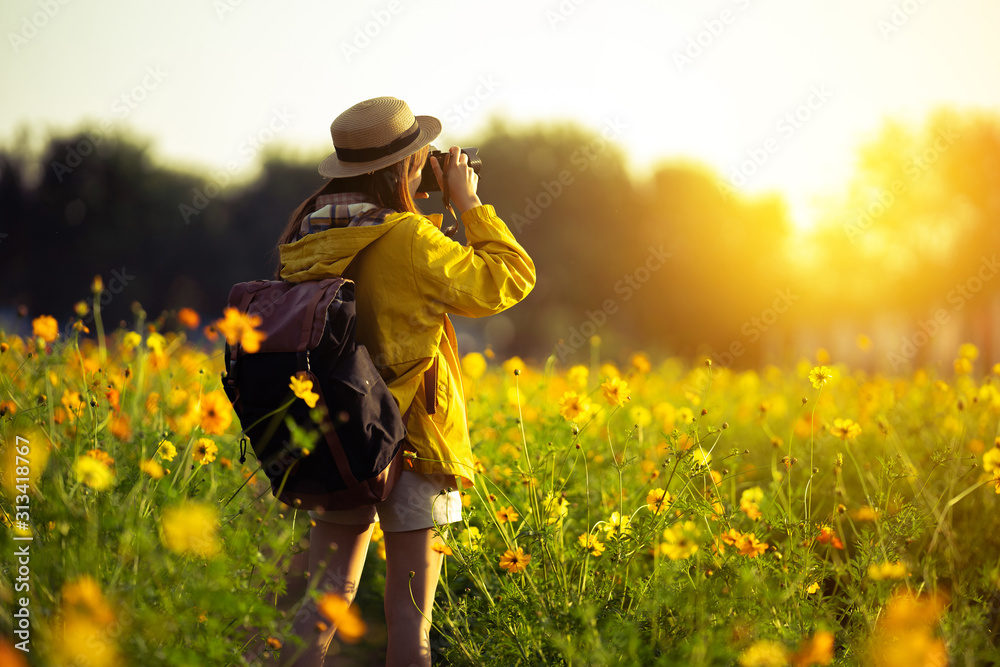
x=917, y=227
x=661, y=262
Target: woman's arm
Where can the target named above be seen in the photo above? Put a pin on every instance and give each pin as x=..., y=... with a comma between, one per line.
x=490, y=274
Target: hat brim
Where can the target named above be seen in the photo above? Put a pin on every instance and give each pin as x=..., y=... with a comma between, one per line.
x=333, y=167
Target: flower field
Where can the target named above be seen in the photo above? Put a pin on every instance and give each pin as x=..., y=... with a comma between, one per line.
x=636, y=511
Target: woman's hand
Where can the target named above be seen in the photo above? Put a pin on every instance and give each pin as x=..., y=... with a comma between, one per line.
x=462, y=180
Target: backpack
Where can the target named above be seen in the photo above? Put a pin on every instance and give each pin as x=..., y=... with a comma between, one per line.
x=309, y=328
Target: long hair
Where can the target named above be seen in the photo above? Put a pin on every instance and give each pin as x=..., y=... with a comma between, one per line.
x=388, y=187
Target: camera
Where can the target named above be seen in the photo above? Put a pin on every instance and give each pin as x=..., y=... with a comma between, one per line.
x=427, y=181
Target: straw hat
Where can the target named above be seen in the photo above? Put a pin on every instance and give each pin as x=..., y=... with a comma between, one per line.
x=374, y=134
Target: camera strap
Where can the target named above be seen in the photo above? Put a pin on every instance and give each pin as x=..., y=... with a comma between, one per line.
x=445, y=196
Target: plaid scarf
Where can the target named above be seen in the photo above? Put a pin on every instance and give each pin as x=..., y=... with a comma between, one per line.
x=344, y=209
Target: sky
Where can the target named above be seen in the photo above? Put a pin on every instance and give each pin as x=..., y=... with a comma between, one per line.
x=776, y=95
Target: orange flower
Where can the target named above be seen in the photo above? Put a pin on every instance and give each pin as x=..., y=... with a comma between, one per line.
x=101, y=456
x=442, y=548
x=350, y=626
x=216, y=413
x=505, y=514
x=45, y=327
x=827, y=536
x=240, y=328
x=120, y=427
x=751, y=546
x=514, y=561
x=817, y=650
x=188, y=317
x=112, y=395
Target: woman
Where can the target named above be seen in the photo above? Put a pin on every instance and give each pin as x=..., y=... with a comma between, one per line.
x=363, y=224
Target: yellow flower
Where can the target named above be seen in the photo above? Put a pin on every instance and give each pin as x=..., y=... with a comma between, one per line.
x=609, y=370
x=73, y=403
x=556, y=508
x=991, y=459
x=615, y=391
x=177, y=397
x=156, y=342
x=131, y=341
x=640, y=362
x=474, y=365
x=864, y=343
x=845, y=429
x=591, y=544
x=864, y=513
x=813, y=587
x=968, y=351
x=303, y=389
x=616, y=524
x=240, y=328
x=679, y=541
x=905, y=633
x=764, y=653
x=151, y=468
x=86, y=620
x=657, y=500
x=470, y=538
x=819, y=376
x=45, y=327
x=887, y=570
x=749, y=502
x=167, y=451
x=83, y=596
x=963, y=366
x=215, y=413
x=572, y=406
x=512, y=364
x=205, y=450
x=577, y=376
x=93, y=473
x=191, y=528
x=505, y=514
x=640, y=416
x=350, y=626
x=514, y=561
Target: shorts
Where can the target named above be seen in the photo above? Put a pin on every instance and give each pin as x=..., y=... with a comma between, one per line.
x=416, y=501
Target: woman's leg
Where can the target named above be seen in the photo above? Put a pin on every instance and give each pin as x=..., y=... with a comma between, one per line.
x=341, y=576
x=409, y=630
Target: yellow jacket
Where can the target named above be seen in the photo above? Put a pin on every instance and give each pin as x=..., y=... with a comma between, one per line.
x=408, y=277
